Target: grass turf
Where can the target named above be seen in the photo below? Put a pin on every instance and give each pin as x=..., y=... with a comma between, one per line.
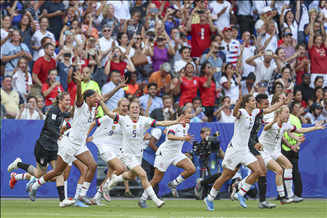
x=173, y=208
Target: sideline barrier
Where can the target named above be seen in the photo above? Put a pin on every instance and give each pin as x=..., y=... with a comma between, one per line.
x=18, y=138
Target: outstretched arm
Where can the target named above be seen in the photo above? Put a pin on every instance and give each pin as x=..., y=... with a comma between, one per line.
x=310, y=129
x=279, y=104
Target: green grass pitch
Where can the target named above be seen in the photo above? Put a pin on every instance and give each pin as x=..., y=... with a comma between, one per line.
x=173, y=208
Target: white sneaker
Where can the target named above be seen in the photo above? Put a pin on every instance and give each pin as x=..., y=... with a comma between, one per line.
x=105, y=193
x=159, y=203
x=13, y=165
x=97, y=202
x=112, y=182
x=67, y=203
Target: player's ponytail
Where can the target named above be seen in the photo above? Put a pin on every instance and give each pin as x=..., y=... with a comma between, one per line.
x=60, y=96
x=245, y=99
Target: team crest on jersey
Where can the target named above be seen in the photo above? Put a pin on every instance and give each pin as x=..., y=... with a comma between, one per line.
x=134, y=126
x=184, y=131
x=250, y=119
x=278, y=131
x=113, y=127
x=194, y=82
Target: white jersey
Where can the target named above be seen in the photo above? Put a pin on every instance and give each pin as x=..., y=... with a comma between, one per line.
x=133, y=132
x=242, y=129
x=82, y=120
x=108, y=135
x=171, y=148
x=272, y=138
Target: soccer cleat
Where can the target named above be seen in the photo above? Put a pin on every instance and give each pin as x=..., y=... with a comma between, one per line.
x=78, y=203
x=266, y=204
x=286, y=200
x=159, y=203
x=209, y=204
x=84, y=199
x=297, y=199
x=234, y=190
x=112, y=182
x=173, y=189
x=128, y=194
x=142, y=204
x=67, y=203
x=240, y=199
x=97, y=202
x=32, y=193
x=198, y=187
x=105, y=193
x=12, y=181
x=13, y=165
x=32, y=180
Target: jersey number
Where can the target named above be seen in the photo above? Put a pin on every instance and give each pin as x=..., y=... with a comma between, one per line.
x=134, y=133
x=111, y=132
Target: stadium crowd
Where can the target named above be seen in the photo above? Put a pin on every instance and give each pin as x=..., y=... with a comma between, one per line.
x=172, y=53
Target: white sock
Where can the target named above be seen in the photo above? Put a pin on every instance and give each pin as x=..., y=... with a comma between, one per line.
x=288, y=179
x=149, y=191
x=245, y=188
x=119, y=179
x=85, y=188
x=38, y=183
x=240, y=184
x=178, y=180
x=20, y=176
x=99, y=193
x=212, y=195
x=65, y=188
x=144, y=196
x=280, y=189
x=78, y=190
x=106, y=183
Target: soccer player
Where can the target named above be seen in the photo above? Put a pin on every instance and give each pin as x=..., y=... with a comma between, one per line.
x=238, y=149
x=133, y=128
x=169, y=153
x=46, y=148
x=108, y=138
x=274, y=159
x=74, y=144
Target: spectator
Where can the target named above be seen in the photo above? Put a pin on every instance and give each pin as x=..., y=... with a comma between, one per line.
x=39, y=35
x=207, y=93
x=317, y=51
x=88, y=28
x=138, y=6
x=307, y=91
x=50, y=88
x=22, y=80
x=314, y=114
x=30, y=111
x=200, y=32
x=160, y=53
x=248, y=84
x=225, y=114
x=115, y=79
x=91, y=53
x=10, y=98
x=3, y=112
x=302, y=62
x=55, y=10
x=133, y=26
x=106, y=43
x=248, y=52
x=298, y=98
x=276, y=88
x=41, y=69
x=265, y=18
x=288, y=19
x=245, y=16
x=133, y=88
x=319, y=81
x=231, y=46
x=224, y=12
x=126, y=47
x=72, y=86
x=297, y=110
x=315, y=22
x=110, y=20
x=194, y=118
x=303, y=20
x=95, y=8
x=161, y=114
x=121, y=10
x=63, y=68
x=286, y=80
x=324, y=104
x=44, y=41
x=184, y=52
x=15, y=50
x=235, y=29
x=5, y=38
x=116, y=62
x=259, y=88
x=162, y=78
x=151, y=98
x=151, y=17
x=230, y=81
x=169, y=20
x=70, y=16
x=287, y=45
x=317, y=96
x=40, y=104
x=270, y=36
x=197, y=107
x=68, y=39
x=11, y=7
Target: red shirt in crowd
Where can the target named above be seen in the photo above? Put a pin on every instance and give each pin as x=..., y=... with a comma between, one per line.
x=72, y=92
x=189, y=89
x=41, y=68
x=300, y=72
x=121, y=66
x=207, y=95
x=53, y=94
x=200, y=39
x=318, y=59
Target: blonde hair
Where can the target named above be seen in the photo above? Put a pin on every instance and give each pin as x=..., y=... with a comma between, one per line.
x=312, y=10
x=116, y=110
x=280, y=109
x=60, y=96
x=105, y=10
x=148, y=9
x=26, y=69
x=121, y=54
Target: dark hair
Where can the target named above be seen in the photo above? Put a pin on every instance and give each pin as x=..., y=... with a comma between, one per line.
x=187, y=65
x=86, y=13
x=251, y=76
x=245, y=99
x=291, y=106
x=173, y=29
x=285, y=20
x=196, y=98
x=261, y=97
x=273, y=89
x=222, y=100
x=128, y=75
x=114, y=71
x=278, y=49
x=306, y=74
x=224, y=74
x=183, y=48
x=152, y=84
x=30, y=98
x=178, y=113
x=66, y=13
x=319, y=77
x=287, y=66
x=314, y=97
x=299, y=45
x=173, y=20
x=48, y=81
x=212, y=38
x=44, y=39
x=29, y=24
x=46, y=46
x=120, y=35
x=203, y=66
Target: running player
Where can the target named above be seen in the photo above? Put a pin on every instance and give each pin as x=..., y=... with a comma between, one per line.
x=133, y=128
x=74, y=144
x=272, y=155
x=46, y=148
x=238, y=150
x=169, y=153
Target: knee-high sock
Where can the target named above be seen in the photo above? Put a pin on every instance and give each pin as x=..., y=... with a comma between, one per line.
x=85, y=188
x=288, y=179
x=150, y=192
x=38, y=183
x=99, y=193
x=78, y=190
x=144, y=196
x=280, y=189
x=262, y=184
x=213, y=193
x=65, y=186
x=20, y=176
x=245, y=188
x=23, y=166
x=61, y=192
x=178, y=180
x=119, y=179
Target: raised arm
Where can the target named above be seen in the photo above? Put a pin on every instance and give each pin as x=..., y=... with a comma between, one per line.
x=279, y=104
x=310, y=129
x=312, y=34
x=236, y=113
x=78, y=79
x=108, y=95
x=269, y=125
x=250, y=61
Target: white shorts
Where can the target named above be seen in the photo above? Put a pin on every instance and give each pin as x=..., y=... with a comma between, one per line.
x=67, y=150
x=234, y=157
x=267, y=156
x=131, y=161
x=109, y=155
x=72, y=161
x=162, y=163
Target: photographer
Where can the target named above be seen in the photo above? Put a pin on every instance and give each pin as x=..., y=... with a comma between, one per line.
x=30, y=111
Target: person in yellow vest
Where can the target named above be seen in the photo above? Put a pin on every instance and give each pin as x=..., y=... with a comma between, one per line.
x=290, y=148
x=10, y=98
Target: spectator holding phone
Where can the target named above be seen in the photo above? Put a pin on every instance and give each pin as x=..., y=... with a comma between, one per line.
x=63, y=68
x=169, y=20
x=161, y=54
x=87, y=27
x=22, y=79
x=184, y=52
x=230, y=81
x=198, y=109
x=317, y=97
x=70, y=15
x=133, y=26
x=106, y=43
x=30, y=111
x=6, y=34
x=224, y=114
x=51, y=87
x=55, y=10
x=152, y=16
